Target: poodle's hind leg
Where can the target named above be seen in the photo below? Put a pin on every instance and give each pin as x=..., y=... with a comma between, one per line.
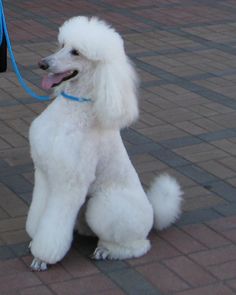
x=40, y=196
x=108, y=250
x=121, y=225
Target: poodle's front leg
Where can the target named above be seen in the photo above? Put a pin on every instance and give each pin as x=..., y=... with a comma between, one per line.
x=55, y=231
x=40, y=195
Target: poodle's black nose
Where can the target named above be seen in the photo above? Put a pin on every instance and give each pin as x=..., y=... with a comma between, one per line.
x=43, y=64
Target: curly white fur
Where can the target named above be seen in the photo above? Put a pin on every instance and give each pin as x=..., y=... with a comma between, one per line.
x=165, y=196
x=78, y=151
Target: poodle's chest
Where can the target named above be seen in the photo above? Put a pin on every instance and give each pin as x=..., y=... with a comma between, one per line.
x=53, y=141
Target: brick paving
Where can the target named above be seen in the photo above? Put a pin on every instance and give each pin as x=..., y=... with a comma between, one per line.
x=185, y=53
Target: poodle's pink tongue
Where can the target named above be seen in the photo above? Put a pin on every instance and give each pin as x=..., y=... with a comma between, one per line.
x=52, y=79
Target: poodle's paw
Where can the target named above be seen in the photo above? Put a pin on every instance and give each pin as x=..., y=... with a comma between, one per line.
x=100, y=253
x=38, y=265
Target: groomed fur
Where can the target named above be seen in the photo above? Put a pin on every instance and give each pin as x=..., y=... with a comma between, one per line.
x=78, y=151
x=114, y=79
x=165, y=195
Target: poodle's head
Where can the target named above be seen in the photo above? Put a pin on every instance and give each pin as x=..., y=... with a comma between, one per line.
x=93, y=52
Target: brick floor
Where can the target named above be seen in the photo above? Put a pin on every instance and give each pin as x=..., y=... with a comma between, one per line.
x=185, y=54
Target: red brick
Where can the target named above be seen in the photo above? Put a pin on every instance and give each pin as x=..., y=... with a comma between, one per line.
x=19, y=125
x=15, y=139
x=224, y=271
x=112, y=292
x=12, y=224
x=11, y=266
x=40, y=290
x=160, y=250
x=18, y=281
x=180, y=240
x=11, y=203
x=230, y=234
x=162, y=278
x=232, y=284
x=10, y=292
x=189, y=271
x=205, y=235
x=215, y=256
x=77, y=265
x=56, y=273
x=224, y=223
x=15, y=237
x=218, y=289
x=4, y=145
x=3, y=214
x=87, y=285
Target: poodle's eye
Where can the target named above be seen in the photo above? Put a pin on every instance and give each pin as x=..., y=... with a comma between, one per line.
x=62, y=45
x=74, y=52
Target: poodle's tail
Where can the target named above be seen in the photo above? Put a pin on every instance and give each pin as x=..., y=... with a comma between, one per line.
x=165, y=195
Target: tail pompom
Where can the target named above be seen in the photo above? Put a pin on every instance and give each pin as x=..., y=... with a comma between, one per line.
x=165, y=195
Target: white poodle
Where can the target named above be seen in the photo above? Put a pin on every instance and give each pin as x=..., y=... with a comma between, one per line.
x=78, y=151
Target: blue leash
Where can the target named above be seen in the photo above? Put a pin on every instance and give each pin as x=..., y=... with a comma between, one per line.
x=3, y=30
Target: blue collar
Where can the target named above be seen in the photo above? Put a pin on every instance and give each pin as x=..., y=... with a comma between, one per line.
x=74, y=98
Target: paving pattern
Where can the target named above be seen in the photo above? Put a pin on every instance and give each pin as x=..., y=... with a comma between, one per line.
x=185, y=53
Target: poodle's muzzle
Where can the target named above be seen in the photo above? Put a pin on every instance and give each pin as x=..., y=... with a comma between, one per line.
x=54, y=78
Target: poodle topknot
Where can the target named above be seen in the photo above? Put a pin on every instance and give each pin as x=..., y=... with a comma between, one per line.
x=113, y=76
x=94, y=38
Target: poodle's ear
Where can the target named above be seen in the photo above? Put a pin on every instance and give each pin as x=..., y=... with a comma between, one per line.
x=115, y=85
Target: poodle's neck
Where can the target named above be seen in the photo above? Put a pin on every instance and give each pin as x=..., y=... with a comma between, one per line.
x=82, y=86
x=82, y=111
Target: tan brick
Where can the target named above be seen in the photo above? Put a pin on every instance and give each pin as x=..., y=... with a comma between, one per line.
x=217, y=169
x=162, y=132
x=229, y=162
x=226, y=145
x=205, y=156
x=202, y=202
x=207, y=124
x=193, y=149
x=190, y=127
